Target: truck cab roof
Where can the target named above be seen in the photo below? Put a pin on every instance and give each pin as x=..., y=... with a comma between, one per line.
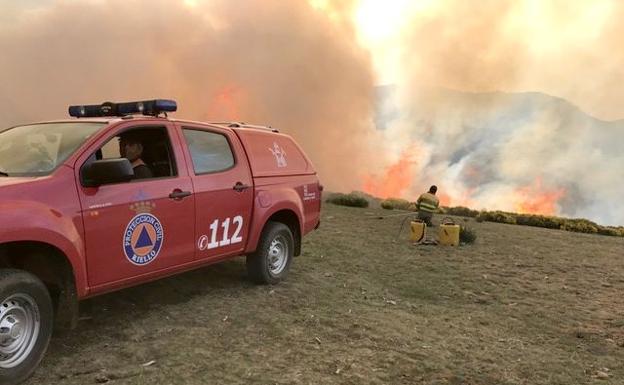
x=116, y=119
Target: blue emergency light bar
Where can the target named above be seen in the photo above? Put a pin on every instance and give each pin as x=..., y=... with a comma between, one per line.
x=146, y=107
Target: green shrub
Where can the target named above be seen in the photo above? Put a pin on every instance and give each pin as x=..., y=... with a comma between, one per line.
x=580, y=226
x=482, y=217
x=351, y=200
x=364, y=195
x=503, y=217
x=395, y=203
x=539, y=221
x=549, y=222
x=387, y=205
x=496, y=216
x=461, y=211
x=467, y=235
x=610, y=231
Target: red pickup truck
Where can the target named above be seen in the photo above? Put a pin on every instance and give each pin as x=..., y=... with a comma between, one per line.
x=121, y=195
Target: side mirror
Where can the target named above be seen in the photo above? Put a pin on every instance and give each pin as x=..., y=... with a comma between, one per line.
x=107, y=171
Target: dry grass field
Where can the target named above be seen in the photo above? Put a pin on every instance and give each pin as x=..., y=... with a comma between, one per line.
x=521, y=306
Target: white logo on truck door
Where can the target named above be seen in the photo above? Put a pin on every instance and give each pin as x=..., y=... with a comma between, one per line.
x=279, y=154
x=206, y=242
x=143, y=239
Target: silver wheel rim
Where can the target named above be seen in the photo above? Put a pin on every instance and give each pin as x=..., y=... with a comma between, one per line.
x=19, y=329
x=278, y=255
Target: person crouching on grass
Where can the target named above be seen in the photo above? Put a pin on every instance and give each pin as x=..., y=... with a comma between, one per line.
x=427, y=204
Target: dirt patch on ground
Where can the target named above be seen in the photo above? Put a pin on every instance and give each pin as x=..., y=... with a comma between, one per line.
x=521, y=306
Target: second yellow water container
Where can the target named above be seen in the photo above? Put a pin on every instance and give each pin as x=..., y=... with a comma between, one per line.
x=449, y=234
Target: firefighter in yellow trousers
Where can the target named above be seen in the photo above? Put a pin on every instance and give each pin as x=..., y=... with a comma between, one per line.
x=427, y=204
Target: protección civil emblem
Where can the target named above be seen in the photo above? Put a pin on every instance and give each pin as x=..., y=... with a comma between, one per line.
x=143, y=239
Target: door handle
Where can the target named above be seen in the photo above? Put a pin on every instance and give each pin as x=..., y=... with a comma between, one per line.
x=240, y=187
x=178, y=194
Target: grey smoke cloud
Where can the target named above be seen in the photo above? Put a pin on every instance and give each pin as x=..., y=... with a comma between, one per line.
x=568, y=48
x=289, y=65
x=484, y=149
x=489, y=143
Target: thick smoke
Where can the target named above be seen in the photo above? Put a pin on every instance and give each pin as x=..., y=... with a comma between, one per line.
x=520, y=152
x=488, y=143
x=470, y=110
x=280, y=63
x=571, y=49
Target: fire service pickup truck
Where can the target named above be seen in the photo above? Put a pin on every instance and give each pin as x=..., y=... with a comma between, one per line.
x=120, y=195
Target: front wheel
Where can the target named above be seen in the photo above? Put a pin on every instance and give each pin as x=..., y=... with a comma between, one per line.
x=271, y=261
x=25, y=324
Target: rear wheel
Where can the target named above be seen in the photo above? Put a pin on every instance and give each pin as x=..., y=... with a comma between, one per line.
x=271, y=261
x=25, y=324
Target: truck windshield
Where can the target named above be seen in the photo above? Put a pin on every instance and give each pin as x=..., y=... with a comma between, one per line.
x=37, y=149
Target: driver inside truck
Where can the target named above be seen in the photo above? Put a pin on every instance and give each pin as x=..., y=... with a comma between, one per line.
x=131, y=148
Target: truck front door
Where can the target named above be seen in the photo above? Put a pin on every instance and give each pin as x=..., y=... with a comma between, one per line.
x=143, y=227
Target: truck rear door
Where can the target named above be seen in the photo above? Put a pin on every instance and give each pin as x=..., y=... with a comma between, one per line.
x=223, y=190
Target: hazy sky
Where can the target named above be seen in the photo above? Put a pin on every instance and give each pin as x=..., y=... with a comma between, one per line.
x=567, y=48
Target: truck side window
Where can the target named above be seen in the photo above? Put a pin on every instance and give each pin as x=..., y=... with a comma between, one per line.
x=210, y=151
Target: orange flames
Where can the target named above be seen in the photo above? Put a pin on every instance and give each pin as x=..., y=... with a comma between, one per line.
x=445, y=199
x=535, y=199
x=225, y=105
x=396, y=180
x=458, y=198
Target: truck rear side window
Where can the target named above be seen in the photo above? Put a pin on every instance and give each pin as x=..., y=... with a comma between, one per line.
x=210, y=151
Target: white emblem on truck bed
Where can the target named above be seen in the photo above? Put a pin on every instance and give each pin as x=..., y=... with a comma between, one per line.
x=279, y=154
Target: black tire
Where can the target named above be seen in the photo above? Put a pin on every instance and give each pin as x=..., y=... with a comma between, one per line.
x=24, y=300
x=260, y=267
